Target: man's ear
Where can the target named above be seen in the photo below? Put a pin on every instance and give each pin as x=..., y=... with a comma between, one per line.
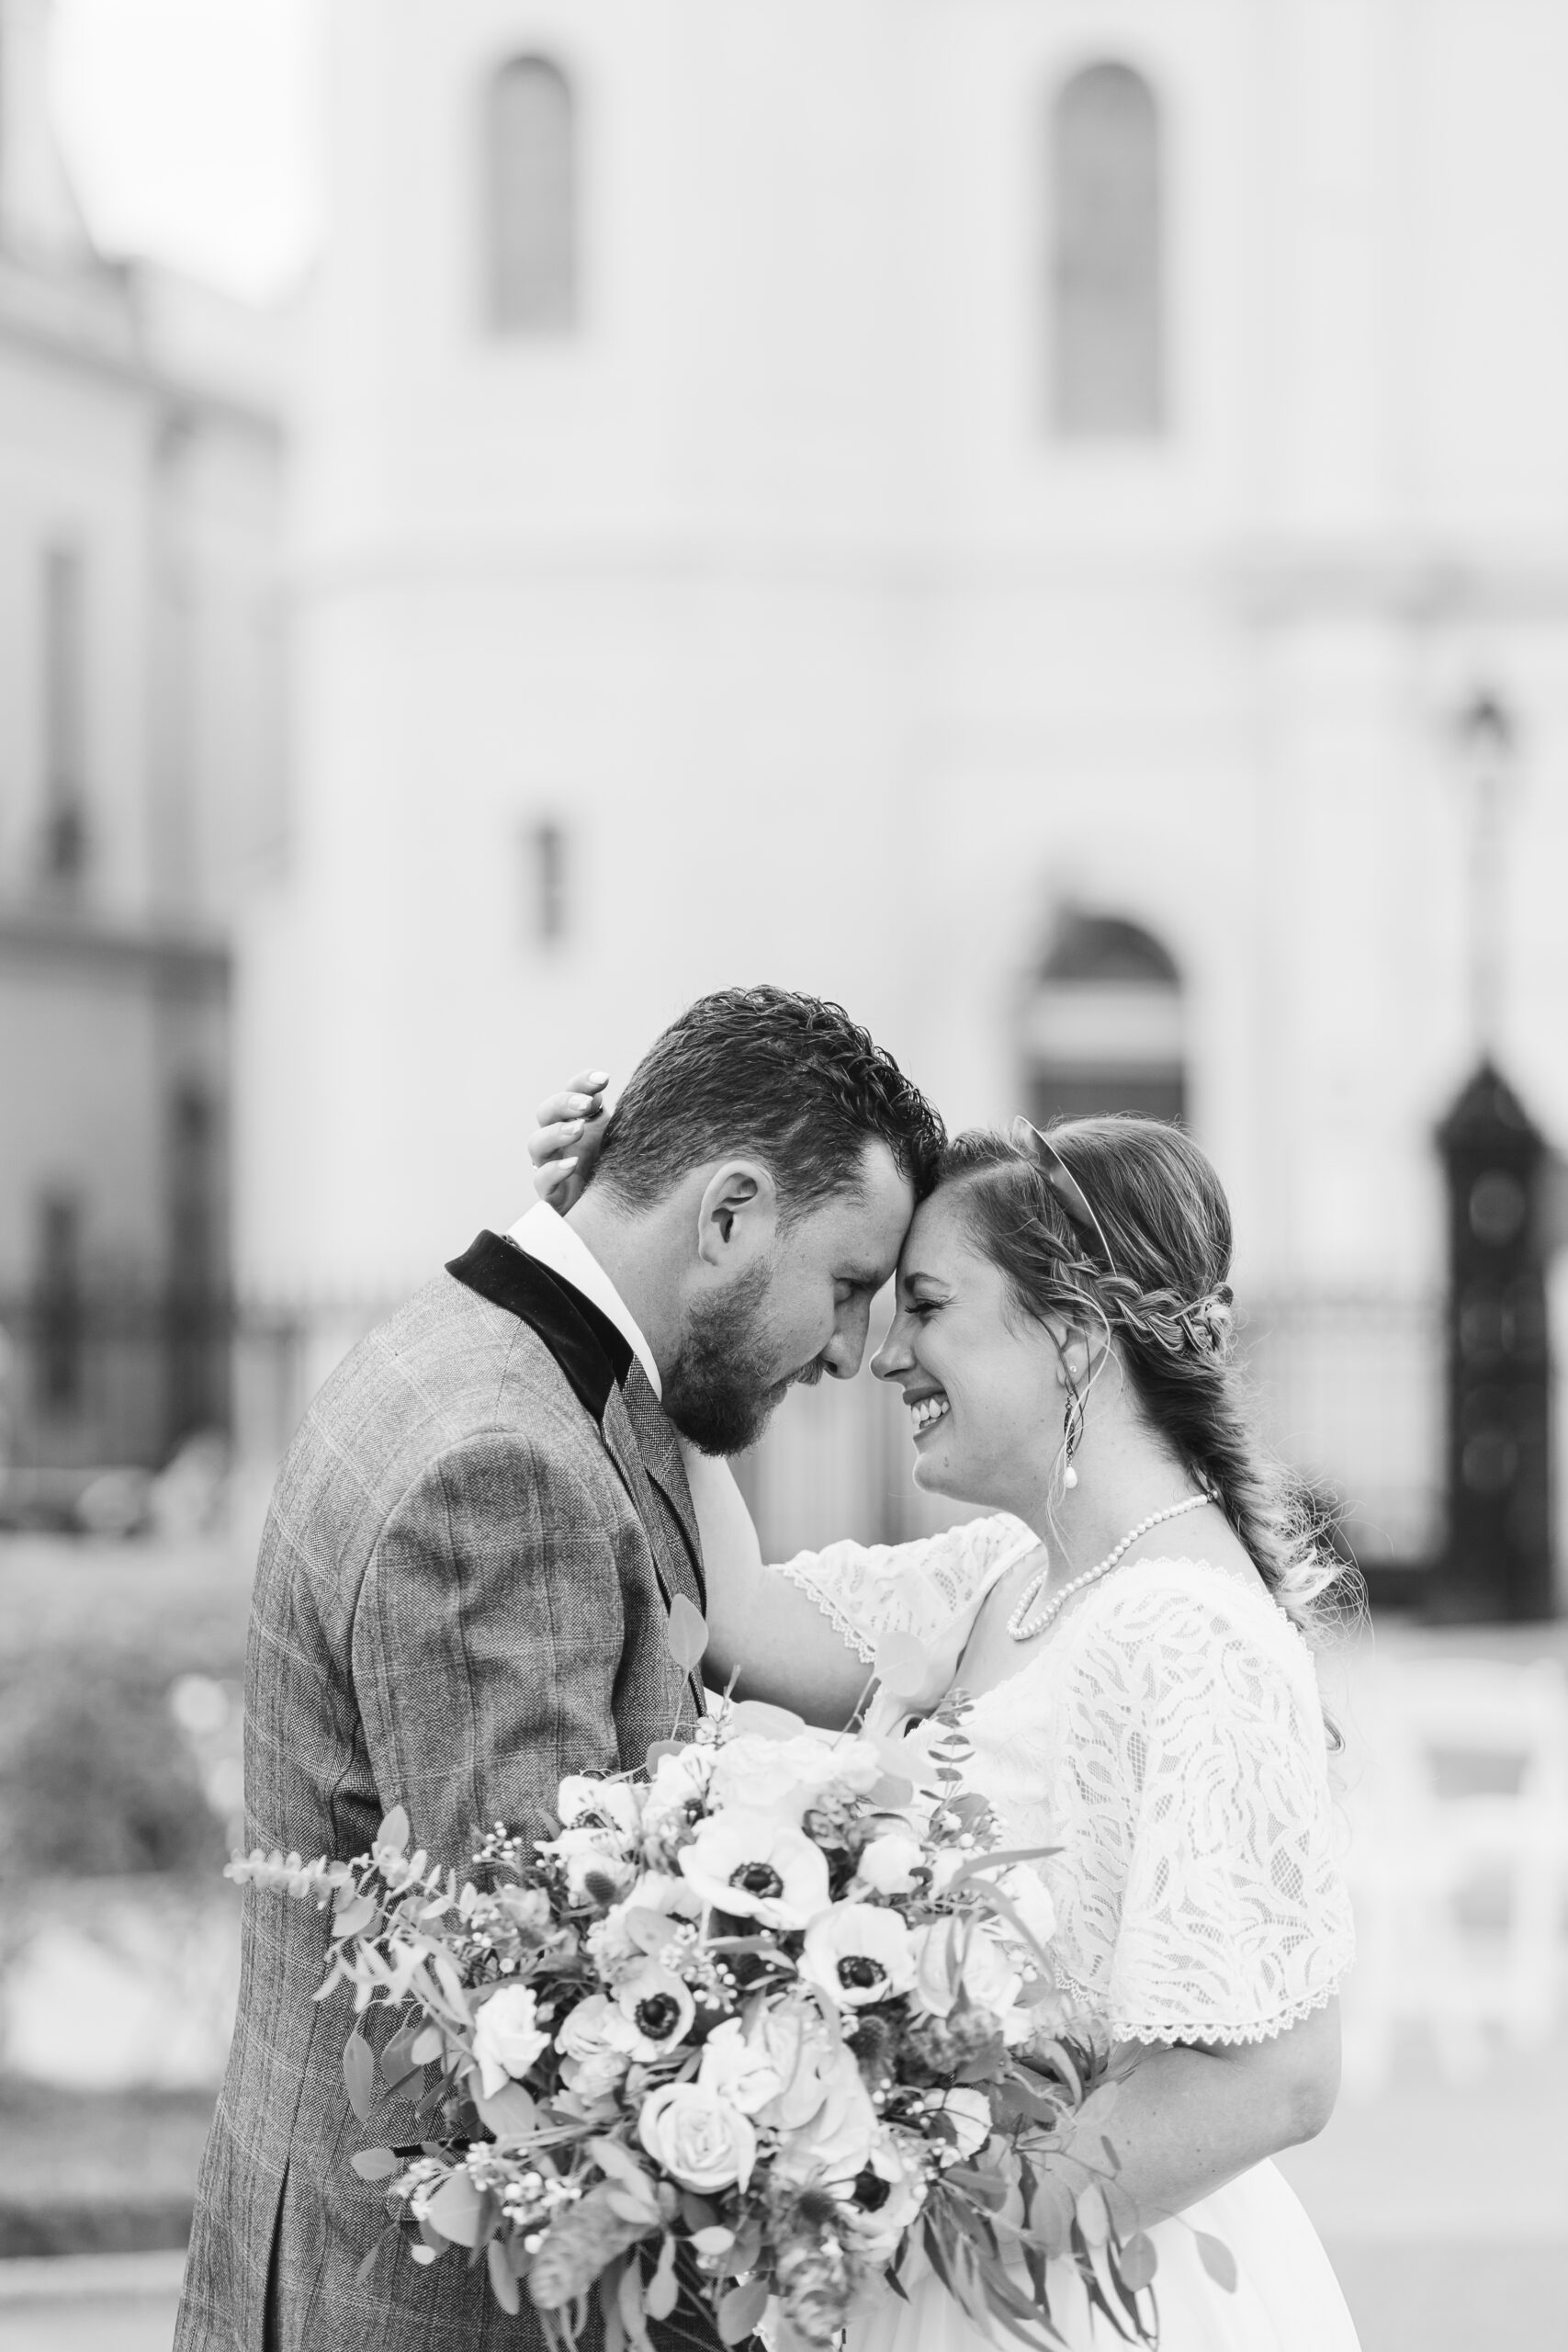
x=737, y=1215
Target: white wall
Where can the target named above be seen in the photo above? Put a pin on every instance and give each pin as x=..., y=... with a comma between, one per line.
x=772, y=586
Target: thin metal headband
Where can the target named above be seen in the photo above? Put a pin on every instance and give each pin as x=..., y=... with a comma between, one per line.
x=1074, y=1201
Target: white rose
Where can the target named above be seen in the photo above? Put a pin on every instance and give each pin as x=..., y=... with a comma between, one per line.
x=698, y=2138
x=948, y=1946
x=834, y=2145
x=586, y=2031
x=889, y=1863
x=630, y=1926
x=594, y=2063
x=796, y=2041
x=738, y=2070
x=786, y=1776
x=596, y=2077
x=507, y=2037
x=679, y=1780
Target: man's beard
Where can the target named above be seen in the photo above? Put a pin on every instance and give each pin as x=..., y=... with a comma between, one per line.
x=717, y=1392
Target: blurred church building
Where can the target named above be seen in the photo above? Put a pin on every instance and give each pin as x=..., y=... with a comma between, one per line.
x=141, y=449
x=1000, y=511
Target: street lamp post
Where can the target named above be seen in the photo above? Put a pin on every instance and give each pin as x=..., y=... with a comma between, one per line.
x=1496, y=1557
x=1487, y=734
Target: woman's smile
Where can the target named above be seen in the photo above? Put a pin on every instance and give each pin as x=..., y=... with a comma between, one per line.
x=926, y=1410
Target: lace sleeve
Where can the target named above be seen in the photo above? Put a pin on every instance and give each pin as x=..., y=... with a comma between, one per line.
x=1219, y=1900
x=924, y=1588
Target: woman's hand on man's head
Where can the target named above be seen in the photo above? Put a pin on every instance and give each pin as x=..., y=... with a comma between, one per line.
x=564, y=1145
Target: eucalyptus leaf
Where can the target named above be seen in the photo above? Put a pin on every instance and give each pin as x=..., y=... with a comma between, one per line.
x=740, y=2310
x=394, y=1834
x=687, y=1634
x=510, y=2114
x=1094, y=2219
x=1137, y=2262
x=503, y=2286
x=355, y=1919
x=359, y=2075
x=456, y=2210
x=662, y=2292
x=630, y=2299
x=376, y=2164
x=1217, y=2260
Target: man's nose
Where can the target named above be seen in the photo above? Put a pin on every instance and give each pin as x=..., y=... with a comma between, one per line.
x=844, y=1351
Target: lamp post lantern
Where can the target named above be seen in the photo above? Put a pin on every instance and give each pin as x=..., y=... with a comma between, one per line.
x=1496, y=1557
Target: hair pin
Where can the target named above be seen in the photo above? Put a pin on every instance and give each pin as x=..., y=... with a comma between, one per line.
x=1062, y=1183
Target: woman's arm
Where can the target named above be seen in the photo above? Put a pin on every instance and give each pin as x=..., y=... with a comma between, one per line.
x=766, y=1632
x=1187, y=2119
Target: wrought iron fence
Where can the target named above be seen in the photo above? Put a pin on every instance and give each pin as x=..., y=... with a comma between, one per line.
x=1349, y=1388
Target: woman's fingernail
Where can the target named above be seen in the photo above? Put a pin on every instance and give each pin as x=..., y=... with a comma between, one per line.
x=562, y=1164
x=577, y=1102
x=598, y=1078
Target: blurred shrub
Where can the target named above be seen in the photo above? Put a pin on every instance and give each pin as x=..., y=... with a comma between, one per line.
x=97, y=1778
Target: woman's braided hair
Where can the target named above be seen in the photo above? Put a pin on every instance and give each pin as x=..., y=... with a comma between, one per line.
x=1164, y=1300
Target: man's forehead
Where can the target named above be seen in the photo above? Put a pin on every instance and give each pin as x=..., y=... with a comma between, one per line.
x=870, y=1222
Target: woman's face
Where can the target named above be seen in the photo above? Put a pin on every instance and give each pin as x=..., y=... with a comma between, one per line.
x=980, y=1378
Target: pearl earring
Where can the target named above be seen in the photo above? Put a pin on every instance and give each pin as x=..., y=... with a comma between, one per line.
x=1069, y=1476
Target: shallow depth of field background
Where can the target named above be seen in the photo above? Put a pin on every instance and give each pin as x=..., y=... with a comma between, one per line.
x=1045, y=520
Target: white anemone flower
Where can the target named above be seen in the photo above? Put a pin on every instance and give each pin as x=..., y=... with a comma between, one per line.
x=584, y=1796
x=654, y=2009
x=754, y=1866
x=858, y=1954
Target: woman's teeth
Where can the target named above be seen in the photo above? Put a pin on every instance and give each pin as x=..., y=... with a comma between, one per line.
x=927, y=1412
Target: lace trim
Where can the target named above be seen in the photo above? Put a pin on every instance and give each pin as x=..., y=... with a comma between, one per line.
x=842, y=1624
x=1230, y=2036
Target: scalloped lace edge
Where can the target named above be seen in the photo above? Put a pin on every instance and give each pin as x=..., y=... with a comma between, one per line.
x=1229, y=2036
x=842, y=1624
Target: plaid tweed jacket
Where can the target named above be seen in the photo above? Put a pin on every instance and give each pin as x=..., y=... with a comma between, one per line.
x=461, y=1596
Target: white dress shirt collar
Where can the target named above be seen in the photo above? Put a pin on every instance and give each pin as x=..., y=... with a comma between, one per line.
x=544, y=1235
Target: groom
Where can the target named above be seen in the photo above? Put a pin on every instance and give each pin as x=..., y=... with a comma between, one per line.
x=467, y=1567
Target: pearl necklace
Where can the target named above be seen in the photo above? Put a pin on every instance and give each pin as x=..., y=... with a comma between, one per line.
x=1023, y=1628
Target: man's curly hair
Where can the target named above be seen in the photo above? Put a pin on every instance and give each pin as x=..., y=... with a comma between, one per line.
x=785, y=1079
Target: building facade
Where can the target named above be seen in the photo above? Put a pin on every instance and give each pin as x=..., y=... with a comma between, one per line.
x=990, y=509
x=140, y=772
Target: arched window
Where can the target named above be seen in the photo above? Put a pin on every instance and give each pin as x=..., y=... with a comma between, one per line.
x=1103, y=1027
x=1106, y=360
x=532, y=199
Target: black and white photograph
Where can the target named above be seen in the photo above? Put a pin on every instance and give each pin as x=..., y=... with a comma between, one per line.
x=784, y=1175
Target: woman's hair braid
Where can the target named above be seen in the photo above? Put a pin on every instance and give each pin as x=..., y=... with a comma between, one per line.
x=1168, y=1304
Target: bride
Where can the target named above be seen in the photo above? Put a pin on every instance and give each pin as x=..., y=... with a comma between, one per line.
x=1132, y=1623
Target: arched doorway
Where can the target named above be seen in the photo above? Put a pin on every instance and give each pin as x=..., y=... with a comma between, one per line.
x=1102, y=1025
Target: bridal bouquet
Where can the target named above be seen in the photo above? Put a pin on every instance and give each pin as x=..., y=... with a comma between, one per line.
x=751, y=2028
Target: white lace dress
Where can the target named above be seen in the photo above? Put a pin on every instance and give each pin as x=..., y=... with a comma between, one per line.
x=1169, y=1739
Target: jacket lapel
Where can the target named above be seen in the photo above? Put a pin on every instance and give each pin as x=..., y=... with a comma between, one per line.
x=660, y=1452
x=672, y=1563
x=611, y=1385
